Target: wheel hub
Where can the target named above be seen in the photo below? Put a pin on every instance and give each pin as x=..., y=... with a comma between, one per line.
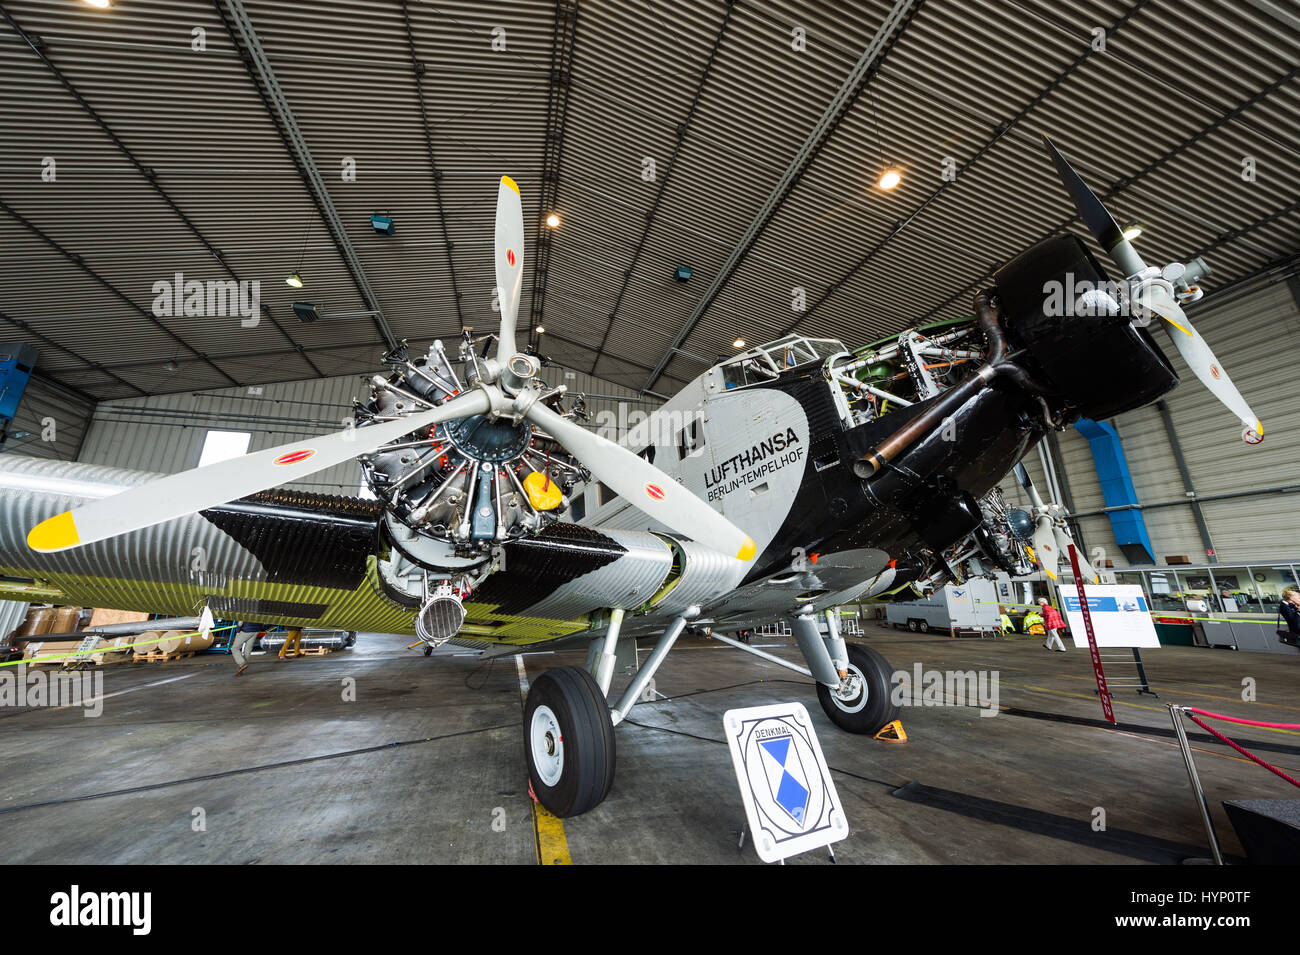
x=547, y=744
x=851, y=694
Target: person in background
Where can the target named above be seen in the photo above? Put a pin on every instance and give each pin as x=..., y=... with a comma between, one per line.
x=1289, y=608
x=1005, y=621
x=241, y=644
x=1053, y=624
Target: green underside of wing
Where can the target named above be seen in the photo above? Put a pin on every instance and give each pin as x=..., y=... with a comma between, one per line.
x=365, y=609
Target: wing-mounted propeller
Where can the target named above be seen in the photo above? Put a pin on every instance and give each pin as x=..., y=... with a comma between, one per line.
x=1052, y=537
x=467, y=460
x=1159, y=294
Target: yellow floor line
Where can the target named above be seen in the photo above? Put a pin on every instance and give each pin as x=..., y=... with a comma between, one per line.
x=552, y=843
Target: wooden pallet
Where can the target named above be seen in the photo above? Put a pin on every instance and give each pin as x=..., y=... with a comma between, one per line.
x=160, y=656
x=308, y=651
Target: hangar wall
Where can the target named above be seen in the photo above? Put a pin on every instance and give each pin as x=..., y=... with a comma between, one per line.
x=165, y=433
x=1254, y=336
x=55, y=419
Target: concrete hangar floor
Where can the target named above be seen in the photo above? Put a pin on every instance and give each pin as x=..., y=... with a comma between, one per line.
x=427, y=765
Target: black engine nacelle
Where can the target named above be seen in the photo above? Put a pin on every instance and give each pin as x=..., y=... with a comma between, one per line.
x=1098, y=363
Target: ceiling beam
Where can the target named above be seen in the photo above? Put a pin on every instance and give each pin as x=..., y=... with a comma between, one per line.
x=81, y=264
x=893, y=27
x=418, y=69
x=44, y=339
x=240, y=27
x=563, y=42
x=37, y=46
x=342, y=346
x=683, y=130
x=1123, y=183
x=1000, y=131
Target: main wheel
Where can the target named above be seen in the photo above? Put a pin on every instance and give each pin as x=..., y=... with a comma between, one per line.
x=568, y=741
x=868, y=709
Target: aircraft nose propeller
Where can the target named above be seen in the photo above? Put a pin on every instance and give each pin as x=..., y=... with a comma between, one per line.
x=505, y=387
x=1155, y=295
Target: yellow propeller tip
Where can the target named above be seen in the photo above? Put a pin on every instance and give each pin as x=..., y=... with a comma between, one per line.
x=747, y=550
x=507, y=181
x=56, y=533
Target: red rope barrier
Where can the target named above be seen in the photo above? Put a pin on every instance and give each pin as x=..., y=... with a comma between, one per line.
x=1234, y=719
x=1241, y=749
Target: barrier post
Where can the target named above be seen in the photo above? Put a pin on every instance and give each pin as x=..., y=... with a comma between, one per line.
x=1175, y=714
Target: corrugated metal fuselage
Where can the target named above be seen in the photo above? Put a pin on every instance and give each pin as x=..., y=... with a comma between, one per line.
x=775, y=458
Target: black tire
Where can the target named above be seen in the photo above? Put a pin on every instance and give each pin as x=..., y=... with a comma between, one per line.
x=923, y=626
x=585, y=769
x=913, y=625
x=857, y=716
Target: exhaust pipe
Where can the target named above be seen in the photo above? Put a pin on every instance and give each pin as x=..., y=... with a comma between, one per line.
x=999, y=363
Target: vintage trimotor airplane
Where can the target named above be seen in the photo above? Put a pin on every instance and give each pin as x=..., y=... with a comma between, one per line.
x=783, y=482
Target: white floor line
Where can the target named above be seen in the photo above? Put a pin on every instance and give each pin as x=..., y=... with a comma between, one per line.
x=143, y=686
x=523, y=677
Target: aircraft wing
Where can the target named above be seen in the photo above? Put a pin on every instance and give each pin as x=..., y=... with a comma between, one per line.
x=278, y=557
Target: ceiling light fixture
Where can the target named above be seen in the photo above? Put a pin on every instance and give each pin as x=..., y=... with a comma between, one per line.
x=890, y=175
x=553, y=221
x=294, y=278
x=1132, y=231
x=738, y=343
x=541, y=329
x=102, y=4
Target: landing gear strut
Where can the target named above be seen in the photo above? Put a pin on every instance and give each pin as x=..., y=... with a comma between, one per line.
x=569, y=726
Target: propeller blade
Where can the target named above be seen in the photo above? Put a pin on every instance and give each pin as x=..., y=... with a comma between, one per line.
x=1049, y=558
x=1063, y=542
x=190, y=491
x=1095, y=216
x=1157, y=299
x=645, y=486
x=509, y=251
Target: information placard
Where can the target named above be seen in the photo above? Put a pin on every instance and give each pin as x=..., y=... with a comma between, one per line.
x=790, y=802
x=1120, y=616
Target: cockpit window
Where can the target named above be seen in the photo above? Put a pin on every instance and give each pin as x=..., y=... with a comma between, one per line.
x=770, y=361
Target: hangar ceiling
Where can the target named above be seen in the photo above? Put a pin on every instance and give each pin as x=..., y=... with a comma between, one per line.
x=228, y=163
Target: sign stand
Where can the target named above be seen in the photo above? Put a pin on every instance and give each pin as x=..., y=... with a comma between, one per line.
x=1142, y=685
x=744, y=828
